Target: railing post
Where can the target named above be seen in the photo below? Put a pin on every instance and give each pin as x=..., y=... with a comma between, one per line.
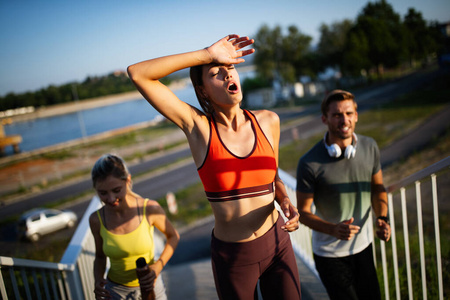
x=437, y=235
x=421, y=248
x=25, y=283
x=385, y=274
x=73, y=281
x=2, y=286
x=406, y=239
x=14, y=283
x=394, y=246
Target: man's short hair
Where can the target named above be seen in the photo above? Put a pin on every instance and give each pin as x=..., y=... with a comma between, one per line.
x=336, y=95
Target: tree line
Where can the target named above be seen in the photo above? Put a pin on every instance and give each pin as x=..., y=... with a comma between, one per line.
x=91, y=87
x=378, y=39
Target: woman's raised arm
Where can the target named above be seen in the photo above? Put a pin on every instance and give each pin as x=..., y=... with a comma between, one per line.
x=146, y=75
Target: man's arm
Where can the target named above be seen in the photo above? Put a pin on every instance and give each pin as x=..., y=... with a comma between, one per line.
x=380, y=206
x=343, y=230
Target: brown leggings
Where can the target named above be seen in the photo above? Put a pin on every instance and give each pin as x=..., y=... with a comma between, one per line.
x=237, y=267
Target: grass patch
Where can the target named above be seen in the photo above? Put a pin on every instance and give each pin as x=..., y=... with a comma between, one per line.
x=416, y=272
x=388, y=122
x=51, y=252
x=136, y=136
x=45, y=184
x=290, y=154
x=59, y=155
x=192, y=205
x=165, y=147
x=385, y=123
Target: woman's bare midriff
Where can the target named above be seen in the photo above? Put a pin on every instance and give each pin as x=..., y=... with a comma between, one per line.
x=245, y=219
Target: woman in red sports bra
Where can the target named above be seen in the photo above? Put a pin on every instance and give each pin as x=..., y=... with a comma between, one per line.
x=236, y=154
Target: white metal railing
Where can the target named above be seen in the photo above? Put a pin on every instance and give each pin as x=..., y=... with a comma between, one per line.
x=423, y=186
x=72, y=278
x=301, y=239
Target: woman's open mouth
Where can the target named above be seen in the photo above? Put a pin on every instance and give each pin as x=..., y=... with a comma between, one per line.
x=233, y=87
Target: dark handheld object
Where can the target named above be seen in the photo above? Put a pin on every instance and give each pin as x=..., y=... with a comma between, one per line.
x=141, y=263
x=142, y=269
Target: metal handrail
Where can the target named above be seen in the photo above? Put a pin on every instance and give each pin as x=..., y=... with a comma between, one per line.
x=302, y=242
x=72, y=278
x=301, y=238
x=73, y=274
x=430, y=173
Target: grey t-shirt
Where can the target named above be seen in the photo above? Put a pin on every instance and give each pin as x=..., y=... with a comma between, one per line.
x=342, y=189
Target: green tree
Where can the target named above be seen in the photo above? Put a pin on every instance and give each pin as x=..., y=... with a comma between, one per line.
x=355, y=57
x=281, y=57
x=384, y=33
x=332, y=43
x=295, y=54
x=113, y=83
x=420, y=40
x=268, y=55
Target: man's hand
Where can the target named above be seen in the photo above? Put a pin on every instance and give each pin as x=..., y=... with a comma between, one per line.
x=384, y=230
x=345, y=230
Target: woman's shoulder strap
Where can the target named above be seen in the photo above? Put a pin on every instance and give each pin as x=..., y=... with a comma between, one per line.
x=145, y=206
x=99, y=217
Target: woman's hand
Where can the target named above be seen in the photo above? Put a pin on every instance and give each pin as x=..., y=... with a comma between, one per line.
x=147, y=281
x=291, y=212
x=100, y=292
x=157, y=267
x=228, y=51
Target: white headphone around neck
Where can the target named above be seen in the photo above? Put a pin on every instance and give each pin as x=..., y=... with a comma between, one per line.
x=335, y=151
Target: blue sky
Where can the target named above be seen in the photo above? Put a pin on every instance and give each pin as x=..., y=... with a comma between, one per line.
x=56, y=42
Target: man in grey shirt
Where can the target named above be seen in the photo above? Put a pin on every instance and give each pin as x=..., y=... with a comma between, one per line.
x=342, y=176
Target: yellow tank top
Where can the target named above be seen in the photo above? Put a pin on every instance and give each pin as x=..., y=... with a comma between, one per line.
x=124, y=249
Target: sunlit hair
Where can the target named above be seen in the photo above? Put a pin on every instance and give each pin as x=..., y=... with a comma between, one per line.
x=196, y=74
x=336, y=95
x=109, y=165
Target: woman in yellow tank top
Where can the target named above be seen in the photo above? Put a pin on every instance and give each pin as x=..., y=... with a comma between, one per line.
x=123, y=232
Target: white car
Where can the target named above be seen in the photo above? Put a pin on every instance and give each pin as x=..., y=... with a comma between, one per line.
x=40, y=221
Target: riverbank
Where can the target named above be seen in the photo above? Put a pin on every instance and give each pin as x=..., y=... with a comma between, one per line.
x=75, y=106
x=85, y=104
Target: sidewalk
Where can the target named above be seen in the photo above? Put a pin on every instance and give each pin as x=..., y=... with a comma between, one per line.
x=191, y=276
x=194, y=281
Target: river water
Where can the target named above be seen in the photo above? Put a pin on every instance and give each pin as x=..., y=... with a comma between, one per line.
x=44, y=132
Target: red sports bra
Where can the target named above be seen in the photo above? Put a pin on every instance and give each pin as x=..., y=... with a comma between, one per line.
x=226, y=176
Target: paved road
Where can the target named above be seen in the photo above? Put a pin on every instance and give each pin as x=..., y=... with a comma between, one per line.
x=192, y=255
x=175, y=179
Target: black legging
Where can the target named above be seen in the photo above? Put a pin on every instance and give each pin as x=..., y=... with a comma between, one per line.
x=237, y=267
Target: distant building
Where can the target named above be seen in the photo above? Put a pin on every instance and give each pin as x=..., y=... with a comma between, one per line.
x=261, y=98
